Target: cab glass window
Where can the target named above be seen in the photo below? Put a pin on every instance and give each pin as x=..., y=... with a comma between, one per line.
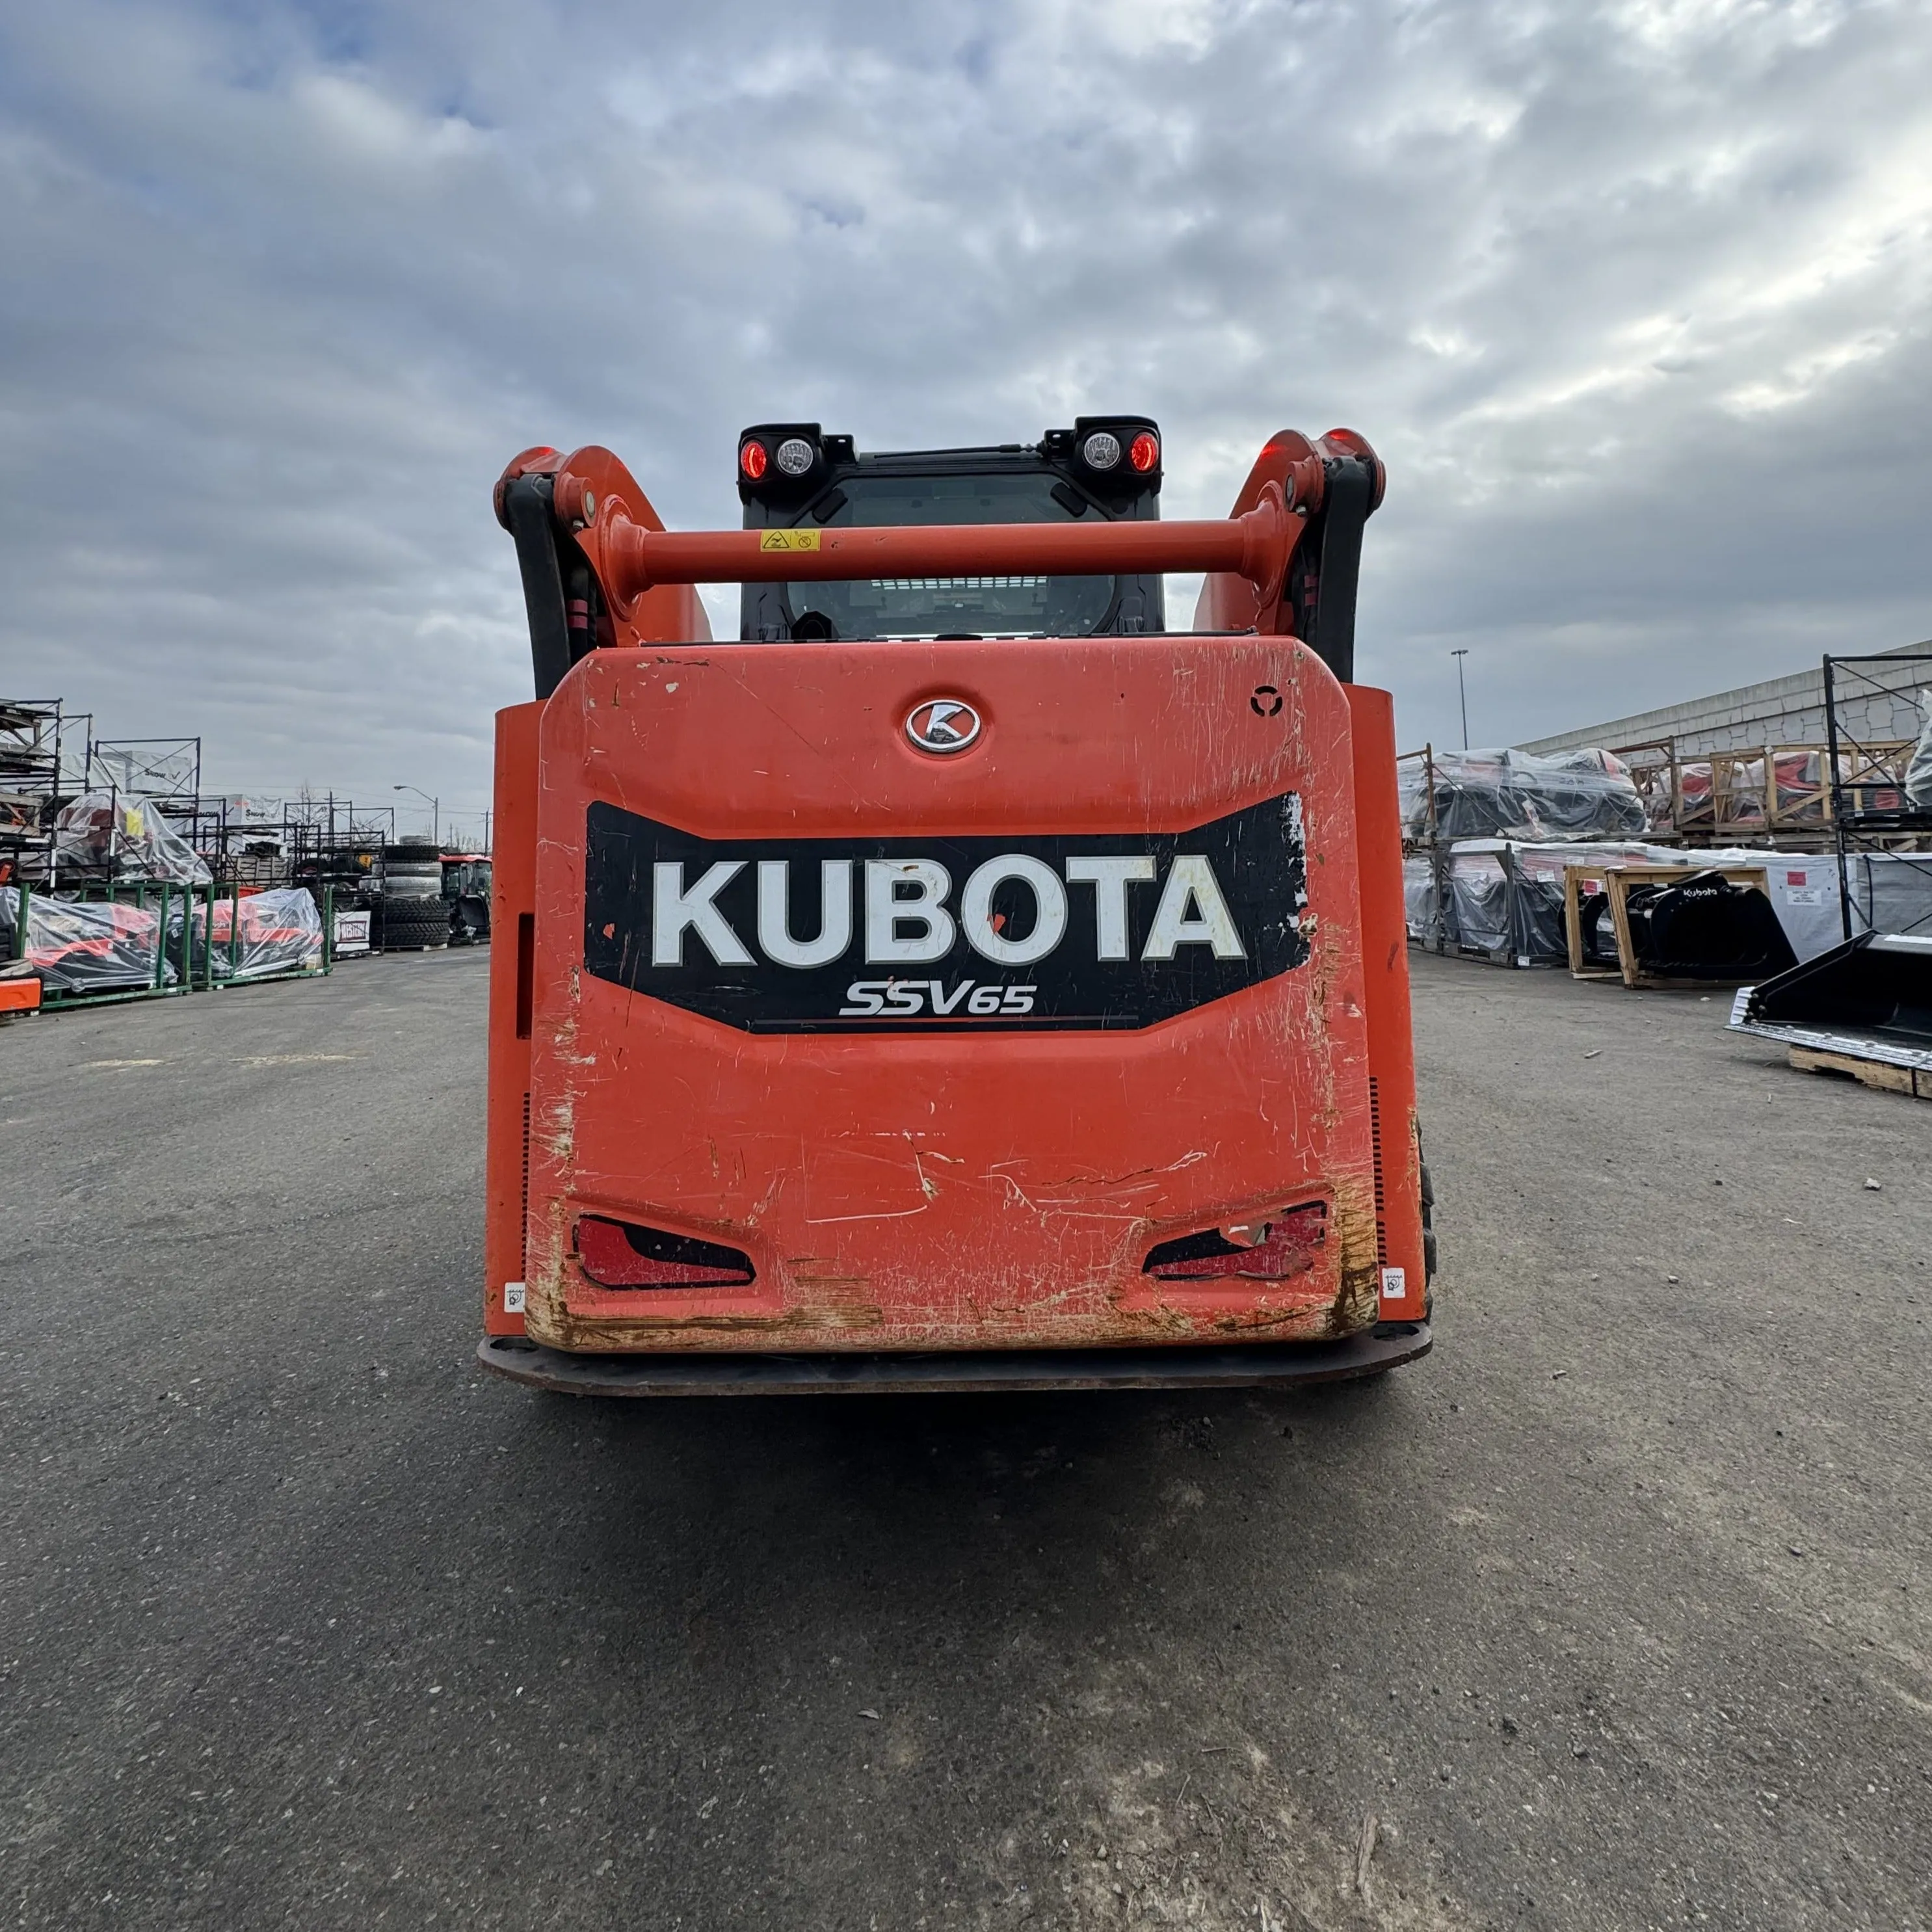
x=934, y=607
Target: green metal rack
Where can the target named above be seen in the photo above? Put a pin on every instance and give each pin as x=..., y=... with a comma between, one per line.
x=188, y=979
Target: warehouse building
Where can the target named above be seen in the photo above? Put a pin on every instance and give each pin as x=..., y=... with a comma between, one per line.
x=1779, y=711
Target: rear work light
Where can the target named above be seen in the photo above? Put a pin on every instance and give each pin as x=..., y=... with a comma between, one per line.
x=1101, y=451
x=1274, y=1249
x=1144, y=452
x=793, y=456
x=752, y=460
x=619, y=1254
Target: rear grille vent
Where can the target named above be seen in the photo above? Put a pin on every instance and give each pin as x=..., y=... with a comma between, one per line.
x=619, y=1254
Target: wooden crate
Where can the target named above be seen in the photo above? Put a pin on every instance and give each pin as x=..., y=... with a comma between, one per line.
x=1618, y=881
x=1575, y=878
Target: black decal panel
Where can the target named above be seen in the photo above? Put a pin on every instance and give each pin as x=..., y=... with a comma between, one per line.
x=1058, y=946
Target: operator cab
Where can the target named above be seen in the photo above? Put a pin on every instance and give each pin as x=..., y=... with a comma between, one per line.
x=793, y=476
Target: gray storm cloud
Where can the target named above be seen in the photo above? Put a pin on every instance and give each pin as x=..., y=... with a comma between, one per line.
x=1632, y=298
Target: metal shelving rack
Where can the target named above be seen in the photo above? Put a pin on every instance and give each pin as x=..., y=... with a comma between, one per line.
x=32, y=744
x=1872, y=720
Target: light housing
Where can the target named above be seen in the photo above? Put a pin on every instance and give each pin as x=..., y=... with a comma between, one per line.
x=1275, y=1247
x=1107, y=453
x=621, y=1254
x=1101, y=450
x=790, y=467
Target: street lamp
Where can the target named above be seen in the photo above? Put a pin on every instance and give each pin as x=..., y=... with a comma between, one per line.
x=1462, y=695
x=435, y=810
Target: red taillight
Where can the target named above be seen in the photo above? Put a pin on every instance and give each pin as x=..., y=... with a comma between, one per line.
x=1144, y=452
x=752, y=459
x=1271, y=1249
x=616, y=1254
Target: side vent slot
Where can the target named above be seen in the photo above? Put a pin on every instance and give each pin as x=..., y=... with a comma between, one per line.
x=523, y=1216
x=1381, y=1197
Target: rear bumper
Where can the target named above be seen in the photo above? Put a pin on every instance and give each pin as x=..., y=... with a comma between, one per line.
x=1250, y=1365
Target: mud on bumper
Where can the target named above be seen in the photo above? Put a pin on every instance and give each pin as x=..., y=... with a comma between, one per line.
x=1248, y=1366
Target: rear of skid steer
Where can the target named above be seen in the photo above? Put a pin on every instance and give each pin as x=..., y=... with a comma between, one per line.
x=949, y=1013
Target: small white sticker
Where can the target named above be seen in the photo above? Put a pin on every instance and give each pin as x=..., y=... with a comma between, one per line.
x=513, y=1298
x=1805, y=895
x=1395, y=1284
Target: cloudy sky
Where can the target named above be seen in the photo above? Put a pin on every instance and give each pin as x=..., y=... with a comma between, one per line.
x=1633, y=298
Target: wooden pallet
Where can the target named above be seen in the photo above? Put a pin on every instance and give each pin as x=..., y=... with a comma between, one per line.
x=1878, y=1073
x=1617, y=880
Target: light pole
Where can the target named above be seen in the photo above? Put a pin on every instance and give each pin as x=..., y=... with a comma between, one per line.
x=435, y=810
x=1462, y=694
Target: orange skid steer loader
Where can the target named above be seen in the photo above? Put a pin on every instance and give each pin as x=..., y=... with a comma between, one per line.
x=959, y=980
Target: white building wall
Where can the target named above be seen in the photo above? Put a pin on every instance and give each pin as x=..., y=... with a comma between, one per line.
x=1781, y=711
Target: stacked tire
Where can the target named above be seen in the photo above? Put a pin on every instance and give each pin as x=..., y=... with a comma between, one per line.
x=414, y=914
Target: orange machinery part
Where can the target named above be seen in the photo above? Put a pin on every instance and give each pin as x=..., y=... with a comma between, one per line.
x=907, y=1191
x=1245, y=558
x=1385, y=989
x=646, y=571
x=513, y=890
x=20, y=996
x=1254, y=546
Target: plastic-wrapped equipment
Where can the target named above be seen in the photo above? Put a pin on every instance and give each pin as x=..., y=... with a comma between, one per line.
x=1503, y=898
x=280, y=931
x=1582, y=794
x=1420, y=908
x=115, y=838
x=84, y=946
x=1918, y=772
x=1479, y=900
x=1538, y=931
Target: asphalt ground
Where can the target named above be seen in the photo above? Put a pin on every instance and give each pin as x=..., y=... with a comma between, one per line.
x=1613, y=1613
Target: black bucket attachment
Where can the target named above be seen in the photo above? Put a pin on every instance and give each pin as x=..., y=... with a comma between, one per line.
x=1880, y=983
x=1706, y=927
x=1870, y=998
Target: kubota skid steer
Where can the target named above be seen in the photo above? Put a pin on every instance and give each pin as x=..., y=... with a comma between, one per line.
x=959, y=981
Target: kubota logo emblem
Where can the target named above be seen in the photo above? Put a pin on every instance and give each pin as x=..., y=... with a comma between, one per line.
x=1005, y=930
x=942, y=725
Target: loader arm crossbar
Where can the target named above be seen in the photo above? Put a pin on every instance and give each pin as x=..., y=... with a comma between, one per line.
x=1254, y=546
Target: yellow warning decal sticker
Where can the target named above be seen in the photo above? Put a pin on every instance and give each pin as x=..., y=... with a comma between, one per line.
x=789, y=540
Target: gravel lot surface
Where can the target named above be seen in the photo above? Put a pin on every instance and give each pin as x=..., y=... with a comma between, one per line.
x=1613, y=1613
